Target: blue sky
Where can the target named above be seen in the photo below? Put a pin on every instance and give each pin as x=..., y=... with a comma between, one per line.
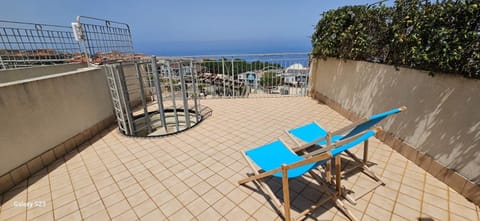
x=192, y=27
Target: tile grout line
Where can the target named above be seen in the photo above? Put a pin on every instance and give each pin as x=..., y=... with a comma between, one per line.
x=136, y=158
x=478, y=212
x=166, y=188
x=423, y=191
x=71, y=183
x=93, y=180
x=131, y=175
x=368, y=201
x=110, y=173
x=261, y=203
x=448, y=205
x=249, y=215
x=259, y=208
x=26, y=189
x=51, y=192
x=383, y=171
x=224, y=195
x=400, y=182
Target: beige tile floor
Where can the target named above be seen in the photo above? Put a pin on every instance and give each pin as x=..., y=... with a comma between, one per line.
x=193, y=175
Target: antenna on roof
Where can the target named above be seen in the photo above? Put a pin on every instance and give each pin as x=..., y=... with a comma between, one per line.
x=80, y=37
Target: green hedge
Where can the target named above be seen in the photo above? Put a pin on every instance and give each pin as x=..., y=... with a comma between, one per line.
x=437, y=37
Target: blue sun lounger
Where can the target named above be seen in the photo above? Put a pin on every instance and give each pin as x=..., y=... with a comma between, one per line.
x=313, y=132
x=277, y=160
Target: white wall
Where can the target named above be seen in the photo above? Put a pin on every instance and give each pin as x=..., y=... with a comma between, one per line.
x=38, y=114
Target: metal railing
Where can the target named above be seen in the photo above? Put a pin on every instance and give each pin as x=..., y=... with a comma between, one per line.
x=95, y=40
x=105, y=40
x=25, y=44
x=154, y=97
x=247, y=75
x=160, y=96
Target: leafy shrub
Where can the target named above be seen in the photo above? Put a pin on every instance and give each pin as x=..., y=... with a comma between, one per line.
x=442, y=36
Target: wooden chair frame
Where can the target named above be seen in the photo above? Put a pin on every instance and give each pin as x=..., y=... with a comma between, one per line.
x=361, y=163
x=335, y=196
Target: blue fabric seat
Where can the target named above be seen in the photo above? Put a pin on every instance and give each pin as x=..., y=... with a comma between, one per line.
x=271, y=156
x=312, y=131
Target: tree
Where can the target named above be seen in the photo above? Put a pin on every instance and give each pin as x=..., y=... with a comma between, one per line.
x=270, y=79
x=239, y=66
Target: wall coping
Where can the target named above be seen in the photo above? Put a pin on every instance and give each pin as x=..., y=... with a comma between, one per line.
x=80, y=70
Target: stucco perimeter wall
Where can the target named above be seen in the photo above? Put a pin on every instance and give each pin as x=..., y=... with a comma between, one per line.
x=37, y=71
x=39, y=114
x=443, y=116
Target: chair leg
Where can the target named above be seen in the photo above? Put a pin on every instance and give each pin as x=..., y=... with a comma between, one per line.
x=312, y=208
x=286, y=193
x=338, y=171
x=365, y=168
x=334, y=196
x=328, y=171
x=338, y=182
x=341, y=206
x=365, y=152
x=347, y=196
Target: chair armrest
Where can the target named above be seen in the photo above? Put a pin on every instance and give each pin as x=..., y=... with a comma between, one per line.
x=343, y=142
x=307, y=145
x=313, y=159
x=343, y=130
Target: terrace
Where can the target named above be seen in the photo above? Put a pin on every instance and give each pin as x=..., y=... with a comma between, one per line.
x=78, y=165
x=193, y=175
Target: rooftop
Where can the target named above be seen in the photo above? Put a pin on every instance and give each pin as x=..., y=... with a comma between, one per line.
x=193, y=175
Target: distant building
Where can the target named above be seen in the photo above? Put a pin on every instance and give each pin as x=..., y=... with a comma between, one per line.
x=250, y=78
x=175, y=70
x=295, y=75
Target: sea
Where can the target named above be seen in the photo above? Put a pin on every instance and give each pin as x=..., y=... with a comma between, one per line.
x=284, y=53
x=192, y=48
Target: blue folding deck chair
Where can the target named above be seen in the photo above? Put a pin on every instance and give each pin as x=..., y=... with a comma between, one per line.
x=313, y=131
x=276, y=159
